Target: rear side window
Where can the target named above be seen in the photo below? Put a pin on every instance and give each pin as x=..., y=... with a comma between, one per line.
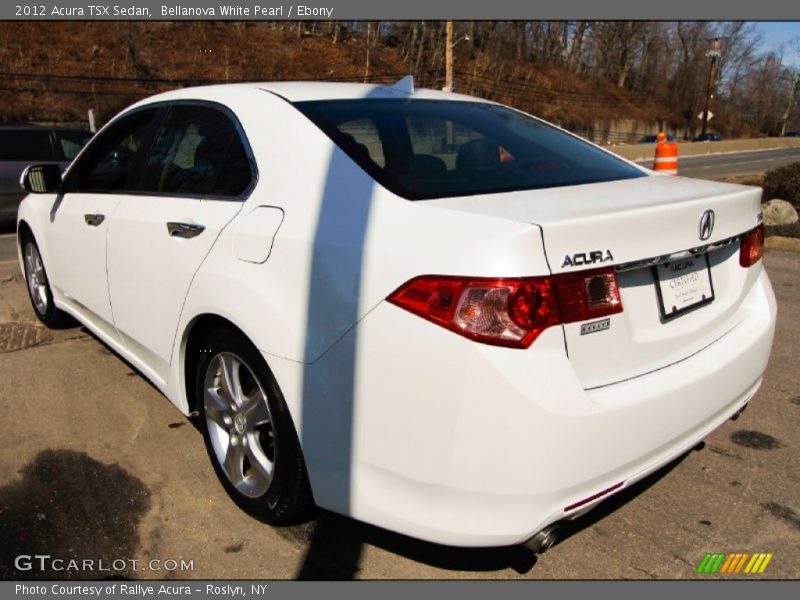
x=441, y=148
x=197, y=152
x=26, y=145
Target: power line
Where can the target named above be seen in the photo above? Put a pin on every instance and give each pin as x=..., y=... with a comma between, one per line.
x=180, y=81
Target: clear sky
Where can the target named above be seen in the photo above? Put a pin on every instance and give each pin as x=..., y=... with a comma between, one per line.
x=775, y=33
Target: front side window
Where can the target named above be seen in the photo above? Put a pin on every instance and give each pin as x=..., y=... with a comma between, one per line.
x=110, y=162
x=197, y=152
x=441, y=148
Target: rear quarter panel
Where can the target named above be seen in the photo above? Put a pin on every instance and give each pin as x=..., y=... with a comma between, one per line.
x=344, y=244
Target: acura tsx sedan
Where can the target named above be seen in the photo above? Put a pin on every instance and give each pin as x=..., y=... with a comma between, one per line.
x=427, y=311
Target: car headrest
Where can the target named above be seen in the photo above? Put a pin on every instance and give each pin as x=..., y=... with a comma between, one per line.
x=210, y=152
x=351, y=145
x=478, y=155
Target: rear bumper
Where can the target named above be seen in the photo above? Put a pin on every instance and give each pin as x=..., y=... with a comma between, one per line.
x=412, y=428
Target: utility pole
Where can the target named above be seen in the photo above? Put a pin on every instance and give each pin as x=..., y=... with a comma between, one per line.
x=787, y=114
x=449, y=44
x=448, y=59
x=712, y=75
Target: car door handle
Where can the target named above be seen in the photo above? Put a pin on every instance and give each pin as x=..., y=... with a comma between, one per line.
x=94, y=219
x=184, y=230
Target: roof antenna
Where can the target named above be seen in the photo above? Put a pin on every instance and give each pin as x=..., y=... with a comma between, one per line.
x=405, y=85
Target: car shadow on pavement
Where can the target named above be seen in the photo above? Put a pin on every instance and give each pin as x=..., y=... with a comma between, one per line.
x=106, y=349
x=336, y=543
x=620, y=499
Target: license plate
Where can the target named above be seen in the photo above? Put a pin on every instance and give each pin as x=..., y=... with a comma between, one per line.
x=683, y=284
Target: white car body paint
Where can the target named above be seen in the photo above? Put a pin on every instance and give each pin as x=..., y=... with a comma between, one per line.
x=149, y=268
x=426, y=432
x=77, y=252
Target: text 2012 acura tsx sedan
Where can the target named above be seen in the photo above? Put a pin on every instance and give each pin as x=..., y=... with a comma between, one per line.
x=427, y=311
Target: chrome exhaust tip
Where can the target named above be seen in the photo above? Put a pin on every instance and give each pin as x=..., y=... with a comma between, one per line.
x=544, y=540
x=739, y=412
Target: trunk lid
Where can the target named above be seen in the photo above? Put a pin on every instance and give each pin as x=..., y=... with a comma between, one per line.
x=624, y=223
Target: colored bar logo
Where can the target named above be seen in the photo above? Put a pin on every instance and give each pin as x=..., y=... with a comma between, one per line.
x=734, y=564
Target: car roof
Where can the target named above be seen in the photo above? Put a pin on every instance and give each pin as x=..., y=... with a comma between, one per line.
x=301, y=91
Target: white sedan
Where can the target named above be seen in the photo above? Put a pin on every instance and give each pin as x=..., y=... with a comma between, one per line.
x=426, y=311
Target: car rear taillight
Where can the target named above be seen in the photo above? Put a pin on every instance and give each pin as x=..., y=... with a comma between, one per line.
x=587, y=295
x=752, y=247
x=509, y=312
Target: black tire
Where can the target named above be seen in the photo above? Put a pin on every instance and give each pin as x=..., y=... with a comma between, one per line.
x=288, y=496
x=45, y=309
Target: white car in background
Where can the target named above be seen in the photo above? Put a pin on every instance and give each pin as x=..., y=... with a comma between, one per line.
x=426, y=311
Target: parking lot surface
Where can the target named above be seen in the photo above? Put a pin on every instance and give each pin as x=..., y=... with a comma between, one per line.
x=96, y=464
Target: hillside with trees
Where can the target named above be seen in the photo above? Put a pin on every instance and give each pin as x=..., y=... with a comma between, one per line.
x=608, y=80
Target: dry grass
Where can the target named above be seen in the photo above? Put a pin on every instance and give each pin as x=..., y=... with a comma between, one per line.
x=756, y=180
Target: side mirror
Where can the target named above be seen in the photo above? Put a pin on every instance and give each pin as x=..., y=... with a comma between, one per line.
x=41, y=179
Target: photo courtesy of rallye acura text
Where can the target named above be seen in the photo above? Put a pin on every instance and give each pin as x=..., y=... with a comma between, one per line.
x=423, y=310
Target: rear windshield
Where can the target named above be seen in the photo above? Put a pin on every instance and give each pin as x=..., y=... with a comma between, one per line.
x=25, y=145
x=426, y=149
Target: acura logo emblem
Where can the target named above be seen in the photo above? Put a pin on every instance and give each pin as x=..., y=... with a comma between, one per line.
x=706, y=225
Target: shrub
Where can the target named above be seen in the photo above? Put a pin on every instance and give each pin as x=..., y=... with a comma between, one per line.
x=783, y=183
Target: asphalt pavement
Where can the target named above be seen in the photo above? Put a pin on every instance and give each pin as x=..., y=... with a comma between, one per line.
x=95, y=463
x=8, y=247
x=715, y=166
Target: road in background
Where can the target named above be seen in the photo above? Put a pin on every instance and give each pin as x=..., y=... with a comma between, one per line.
x=715, y=166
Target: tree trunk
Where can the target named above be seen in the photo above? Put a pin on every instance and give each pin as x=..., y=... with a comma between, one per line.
x=369, y=33
x=522, y=39
x=574, y=59
x=420, y=49
x=377, y=34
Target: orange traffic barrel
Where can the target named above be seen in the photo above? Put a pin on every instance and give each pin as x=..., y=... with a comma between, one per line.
x=666, y=160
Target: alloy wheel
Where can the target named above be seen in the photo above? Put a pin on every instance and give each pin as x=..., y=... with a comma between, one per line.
x=239, y=424
x=35, y=277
